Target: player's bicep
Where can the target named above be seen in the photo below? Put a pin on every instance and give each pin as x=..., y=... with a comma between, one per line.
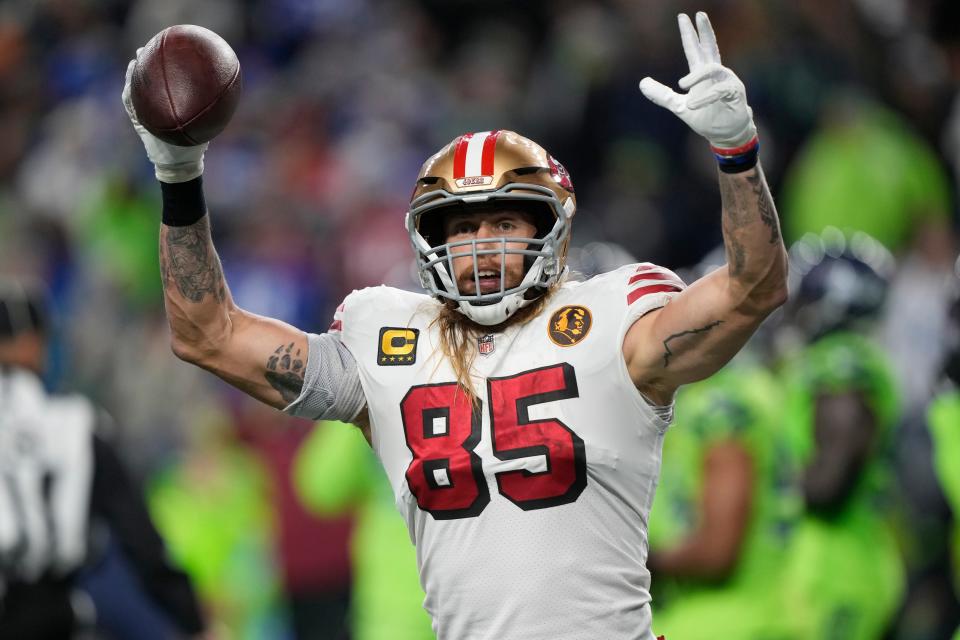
x=263, y=357
x=690, y=338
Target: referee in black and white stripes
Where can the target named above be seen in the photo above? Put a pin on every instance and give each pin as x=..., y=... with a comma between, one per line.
x=59, y=482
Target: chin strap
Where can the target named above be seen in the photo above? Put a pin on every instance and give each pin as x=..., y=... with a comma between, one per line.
x=491, y=314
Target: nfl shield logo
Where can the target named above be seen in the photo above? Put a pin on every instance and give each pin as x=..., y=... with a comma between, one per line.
x=485, y=344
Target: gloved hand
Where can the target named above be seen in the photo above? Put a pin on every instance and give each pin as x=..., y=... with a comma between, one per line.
x=171, y=163
x=715, y=105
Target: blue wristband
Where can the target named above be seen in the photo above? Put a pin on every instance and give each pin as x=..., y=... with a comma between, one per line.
x=738, y=159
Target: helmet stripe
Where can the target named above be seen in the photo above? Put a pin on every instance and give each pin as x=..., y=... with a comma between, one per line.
x=460, y=156
x=489, y=152
x=475, y=153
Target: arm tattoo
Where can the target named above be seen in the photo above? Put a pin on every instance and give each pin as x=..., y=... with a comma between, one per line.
x=736, y=255
x=765, y=205
x=667, y=353
x=743, y=203
x=190, y=262
x=285, y=372
x=735, y=215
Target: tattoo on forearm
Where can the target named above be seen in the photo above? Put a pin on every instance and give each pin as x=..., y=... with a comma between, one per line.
x=765, y=205
x=743, y=202
x=736, y=255
x=735, y=214
x=285, y=372
x=668, y=352
x=188, y=260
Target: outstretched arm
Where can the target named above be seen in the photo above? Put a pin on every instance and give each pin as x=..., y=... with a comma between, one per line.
x=261, y=356
x=703, y=327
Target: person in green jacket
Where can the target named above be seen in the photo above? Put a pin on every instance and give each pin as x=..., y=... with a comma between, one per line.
x=943, y=421
x=212, y=506
x=726, y=501
x=866, y=168
x=723, y=511
x=844, y=574
x=336, y=471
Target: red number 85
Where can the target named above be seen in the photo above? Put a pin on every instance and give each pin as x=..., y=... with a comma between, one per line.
x=442, y=430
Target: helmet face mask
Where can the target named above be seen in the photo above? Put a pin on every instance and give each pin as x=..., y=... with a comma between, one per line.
x=521, y=176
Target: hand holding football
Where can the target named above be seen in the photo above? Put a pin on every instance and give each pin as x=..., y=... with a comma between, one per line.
x=186, y=85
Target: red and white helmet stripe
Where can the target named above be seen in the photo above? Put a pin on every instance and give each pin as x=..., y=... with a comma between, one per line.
x=474, y=154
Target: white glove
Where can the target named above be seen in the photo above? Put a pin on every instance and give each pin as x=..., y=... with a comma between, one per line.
x=171, y=163
x=715, y=105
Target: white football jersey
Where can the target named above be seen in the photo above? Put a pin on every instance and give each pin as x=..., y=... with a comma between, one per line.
x=529, y=514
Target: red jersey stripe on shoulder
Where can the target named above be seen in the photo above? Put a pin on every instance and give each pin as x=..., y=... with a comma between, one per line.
x=489, y=153
x=460, y=156
x=337, y=324
x=653, y=275
x=643, y=266
x=638, y=293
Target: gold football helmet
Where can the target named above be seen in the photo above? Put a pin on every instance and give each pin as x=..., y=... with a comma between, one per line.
x=477, y=170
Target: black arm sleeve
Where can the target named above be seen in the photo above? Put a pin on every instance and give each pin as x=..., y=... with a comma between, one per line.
x=116, y=500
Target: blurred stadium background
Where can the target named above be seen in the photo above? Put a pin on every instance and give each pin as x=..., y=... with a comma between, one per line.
x=857, y=104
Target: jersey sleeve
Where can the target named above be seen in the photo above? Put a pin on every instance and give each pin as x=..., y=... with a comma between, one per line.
x=648, y=287
x=336, y=327
x=331, y=382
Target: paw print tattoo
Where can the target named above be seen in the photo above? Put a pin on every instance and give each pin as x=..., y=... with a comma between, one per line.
x=285, y=372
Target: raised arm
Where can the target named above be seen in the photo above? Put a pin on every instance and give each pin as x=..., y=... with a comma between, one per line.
x=703, y=327
x=265, y=358
x=261, y=356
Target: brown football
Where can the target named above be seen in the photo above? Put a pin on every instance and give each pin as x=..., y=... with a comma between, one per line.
x=186, y=85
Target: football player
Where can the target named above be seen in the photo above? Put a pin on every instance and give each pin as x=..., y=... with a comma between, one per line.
x=943, y=421
x=518, y=414
x=726, y=502
x=841, y=409
x=724, y=511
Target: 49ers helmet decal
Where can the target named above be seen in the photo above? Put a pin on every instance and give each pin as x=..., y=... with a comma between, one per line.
x=478, y=170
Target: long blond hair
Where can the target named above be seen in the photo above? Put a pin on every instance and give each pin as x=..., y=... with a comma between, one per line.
x=458, y=337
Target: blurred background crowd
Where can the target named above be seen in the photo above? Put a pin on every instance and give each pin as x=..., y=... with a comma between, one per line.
x=858, y=106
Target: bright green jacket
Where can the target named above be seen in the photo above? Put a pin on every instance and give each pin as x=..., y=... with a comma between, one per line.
x=336, y=471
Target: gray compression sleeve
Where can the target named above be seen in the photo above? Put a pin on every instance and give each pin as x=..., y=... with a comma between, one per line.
x=331, y=385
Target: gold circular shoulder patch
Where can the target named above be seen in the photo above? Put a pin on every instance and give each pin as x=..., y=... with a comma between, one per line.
x=569, y=325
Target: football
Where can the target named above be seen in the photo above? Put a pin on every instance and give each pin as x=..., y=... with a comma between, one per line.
x=185, y=85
